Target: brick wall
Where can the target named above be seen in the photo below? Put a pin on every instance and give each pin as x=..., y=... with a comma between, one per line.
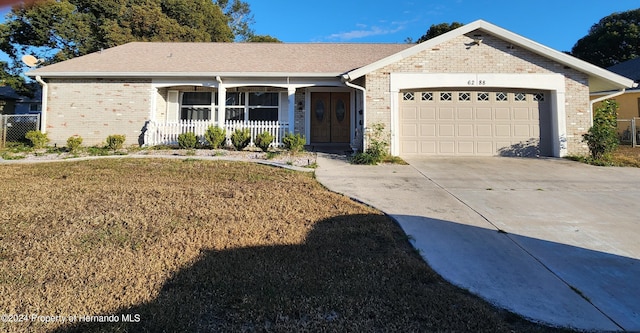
x=492, y=56
x=95, y=109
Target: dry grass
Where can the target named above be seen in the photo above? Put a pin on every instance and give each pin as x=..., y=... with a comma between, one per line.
x=213, y=246
x=627, y=156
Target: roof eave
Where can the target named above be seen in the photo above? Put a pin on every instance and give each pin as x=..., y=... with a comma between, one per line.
x=179, y=74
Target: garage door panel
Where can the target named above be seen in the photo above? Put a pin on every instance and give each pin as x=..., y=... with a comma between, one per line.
x=502, y=130
x=446, y=130
x=522, y=131
x=445, y=113
x=485, y=148
x=466, y=147
x=428, y=130
x=409, y=130
x=428, y=148
x=521, y=114
x=427, y=113
x=502, y=113
x=465, y=130
x=465, y=113
x=484, y=113
x=481, y=124
x=447, y=147
x=409, y=113
x=484, y=130
x=409, y=147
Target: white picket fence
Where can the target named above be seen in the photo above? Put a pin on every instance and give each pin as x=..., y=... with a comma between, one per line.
x=167, y=133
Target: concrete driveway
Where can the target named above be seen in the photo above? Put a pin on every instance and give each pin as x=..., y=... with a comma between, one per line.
x=553, y=240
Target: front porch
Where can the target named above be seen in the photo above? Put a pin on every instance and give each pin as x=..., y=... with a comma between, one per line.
x=324, y=112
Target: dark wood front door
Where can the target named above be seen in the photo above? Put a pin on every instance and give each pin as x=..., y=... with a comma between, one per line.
x=330, y=117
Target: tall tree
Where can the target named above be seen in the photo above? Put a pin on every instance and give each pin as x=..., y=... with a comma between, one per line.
x=240, y=17
x=438, y=29
x=62, y=29
x=614, y=39
x=263, y=39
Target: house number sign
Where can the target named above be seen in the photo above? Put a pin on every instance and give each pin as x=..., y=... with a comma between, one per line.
x=476, y=83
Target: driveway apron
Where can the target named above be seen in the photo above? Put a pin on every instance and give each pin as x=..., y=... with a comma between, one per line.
x=552, y=240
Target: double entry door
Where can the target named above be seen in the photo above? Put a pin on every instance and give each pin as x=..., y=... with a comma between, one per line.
x=330, y=117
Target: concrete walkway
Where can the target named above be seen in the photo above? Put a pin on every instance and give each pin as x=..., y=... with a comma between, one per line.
x=553, y=240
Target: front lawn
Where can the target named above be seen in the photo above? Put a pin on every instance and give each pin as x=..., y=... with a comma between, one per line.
x=133, y=245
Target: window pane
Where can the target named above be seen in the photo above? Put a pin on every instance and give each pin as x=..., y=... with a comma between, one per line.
x=234, y=114
x=196, y=98
x=195, y=113
x=263, y=99
x=235, y=98
x=263, y=114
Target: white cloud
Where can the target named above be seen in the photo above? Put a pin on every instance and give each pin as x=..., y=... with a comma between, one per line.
x=367, y=31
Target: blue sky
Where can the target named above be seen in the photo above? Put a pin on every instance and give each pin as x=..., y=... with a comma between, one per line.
x=555, y=23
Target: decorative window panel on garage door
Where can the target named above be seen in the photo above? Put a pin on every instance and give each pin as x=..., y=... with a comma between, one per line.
x=484, y=123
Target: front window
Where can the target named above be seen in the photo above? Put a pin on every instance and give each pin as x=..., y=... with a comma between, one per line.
x=262, y=106
x=196, y=106
x=235, y=106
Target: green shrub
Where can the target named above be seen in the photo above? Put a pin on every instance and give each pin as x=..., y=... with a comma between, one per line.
x=602, y=137
x=215, y=136
x=263, y=140
x=115, y=141
x=378, y=147
x=74, y=143
x=38, y=139
x=294, y=142
x=241, y=138
x=187, y=140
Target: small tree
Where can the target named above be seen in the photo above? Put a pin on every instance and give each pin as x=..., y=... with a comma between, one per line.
x=294, y=142
x=187, y=140
x=215, y=136
x=38, y=139
x=241, y=138
x=74, y=143
x=116, y=141
x=263, y=140
x=602, y=137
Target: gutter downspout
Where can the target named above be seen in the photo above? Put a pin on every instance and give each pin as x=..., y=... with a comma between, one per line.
x=45, y=96
x=600, y=99
x=346, y=80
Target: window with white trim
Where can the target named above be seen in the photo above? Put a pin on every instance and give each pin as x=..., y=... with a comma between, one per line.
x=263, y=106
x=464, y=96
x=445, y=96
x=260, y=106
x=483, y=96
x=197, y=105
x=520, y=97
x=408, y=96
x=427, y=96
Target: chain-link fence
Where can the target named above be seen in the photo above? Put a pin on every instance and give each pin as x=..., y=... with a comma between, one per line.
x=14, y=127
x=629, y=131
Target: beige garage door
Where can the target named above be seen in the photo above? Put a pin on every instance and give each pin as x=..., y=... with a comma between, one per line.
x=484, y=123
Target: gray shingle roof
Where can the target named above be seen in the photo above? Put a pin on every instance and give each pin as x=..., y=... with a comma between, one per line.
x=629, y=68
x=140, y=58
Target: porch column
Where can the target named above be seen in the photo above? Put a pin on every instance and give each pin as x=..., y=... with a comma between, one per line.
x=222, y=105
x=292, y=109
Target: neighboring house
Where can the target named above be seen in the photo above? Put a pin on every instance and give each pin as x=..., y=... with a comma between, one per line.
x=8, y=99
x=13, y=103
x=629, y=101
x=476, y=90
